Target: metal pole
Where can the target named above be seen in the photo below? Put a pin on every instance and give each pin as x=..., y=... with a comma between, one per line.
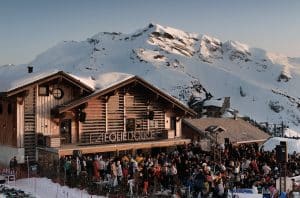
x=285, y=170
x=27, y=167
x=216, y=151
x=65, y=175
x=35, y=185
x=282, y=131
x=280, y=189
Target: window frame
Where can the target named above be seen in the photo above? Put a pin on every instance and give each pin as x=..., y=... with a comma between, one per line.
x=55, y=96
x=46, y=93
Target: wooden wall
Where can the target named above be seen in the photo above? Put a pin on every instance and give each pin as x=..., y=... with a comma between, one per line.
x=109, y=113
x=95, y=116
x=137, y=107
x=37, y=115
x=20, y=122
x=115, y=113
x=8, y=122
x=44, y=104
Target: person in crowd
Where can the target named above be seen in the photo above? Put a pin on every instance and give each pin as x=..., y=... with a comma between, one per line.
x=188, y=167
x=13, y=164
x=96, y=169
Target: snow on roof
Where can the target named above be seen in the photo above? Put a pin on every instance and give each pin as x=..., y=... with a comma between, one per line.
x=292, y=144
x=214, y=102
x=12, y=77
x=107, y=80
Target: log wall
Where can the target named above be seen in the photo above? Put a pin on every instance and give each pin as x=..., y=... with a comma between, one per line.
x=95, y=117
x=109, y=114
x=44, y=104
x=115, y=113
x=8, y=123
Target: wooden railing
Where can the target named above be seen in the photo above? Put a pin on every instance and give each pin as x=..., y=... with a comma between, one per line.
x=121, y=136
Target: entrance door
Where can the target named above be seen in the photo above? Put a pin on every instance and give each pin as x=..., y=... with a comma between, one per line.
x=65, y=131
x=173, y=125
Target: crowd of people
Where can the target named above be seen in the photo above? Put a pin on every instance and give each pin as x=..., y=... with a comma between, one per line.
x=187, y=169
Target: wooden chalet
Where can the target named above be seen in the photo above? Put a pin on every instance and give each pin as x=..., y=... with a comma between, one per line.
x=237, y=131
x=57, y=114
x=25, y=112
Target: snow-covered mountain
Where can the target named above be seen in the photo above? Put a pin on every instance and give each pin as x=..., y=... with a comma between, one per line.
x=260, y=84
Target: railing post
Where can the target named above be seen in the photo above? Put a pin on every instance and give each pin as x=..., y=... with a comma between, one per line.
x=90, y=138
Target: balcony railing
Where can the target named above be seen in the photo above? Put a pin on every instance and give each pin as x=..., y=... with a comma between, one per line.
x=121, y=136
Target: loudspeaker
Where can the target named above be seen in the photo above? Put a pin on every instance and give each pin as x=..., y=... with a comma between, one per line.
x=150, y=115
x=284, y=151
x=77, y=153
x=281, y=153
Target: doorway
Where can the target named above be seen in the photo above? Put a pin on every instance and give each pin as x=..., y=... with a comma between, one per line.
x=173, y=125
x=65, y=131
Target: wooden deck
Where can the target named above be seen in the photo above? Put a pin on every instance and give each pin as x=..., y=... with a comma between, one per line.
x=68, y=149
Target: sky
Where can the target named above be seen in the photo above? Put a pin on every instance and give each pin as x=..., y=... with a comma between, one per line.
x=29, y=27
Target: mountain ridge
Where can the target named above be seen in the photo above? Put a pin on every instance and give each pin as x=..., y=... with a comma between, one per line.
x=188, y=64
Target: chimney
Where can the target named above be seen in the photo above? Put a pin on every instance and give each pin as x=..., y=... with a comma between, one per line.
x=30, y=69
x=235, y=112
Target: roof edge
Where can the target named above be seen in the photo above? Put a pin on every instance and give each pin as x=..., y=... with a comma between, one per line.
x=123, y=83
x=64, y=74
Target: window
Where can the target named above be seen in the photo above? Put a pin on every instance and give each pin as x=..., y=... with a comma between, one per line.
x=43, y=90
x=151, y=124
x=1, y=108
x=173, y=123
x=9, y=108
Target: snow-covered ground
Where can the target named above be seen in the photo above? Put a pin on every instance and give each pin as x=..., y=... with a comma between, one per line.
x=246, y=195
x=262, y=85
x=45, y=188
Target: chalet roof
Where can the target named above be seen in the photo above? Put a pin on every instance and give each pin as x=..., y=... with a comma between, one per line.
x=121, y=83
x=15, y=86
x=237, y=131
x=15, y=79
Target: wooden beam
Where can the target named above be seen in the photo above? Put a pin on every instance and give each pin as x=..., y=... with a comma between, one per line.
x=57, y=75
x=68, y=150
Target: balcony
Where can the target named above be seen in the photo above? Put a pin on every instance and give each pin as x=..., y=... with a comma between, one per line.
x=122, y=137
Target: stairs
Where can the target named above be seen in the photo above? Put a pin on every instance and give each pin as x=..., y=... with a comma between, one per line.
x=29, y=127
